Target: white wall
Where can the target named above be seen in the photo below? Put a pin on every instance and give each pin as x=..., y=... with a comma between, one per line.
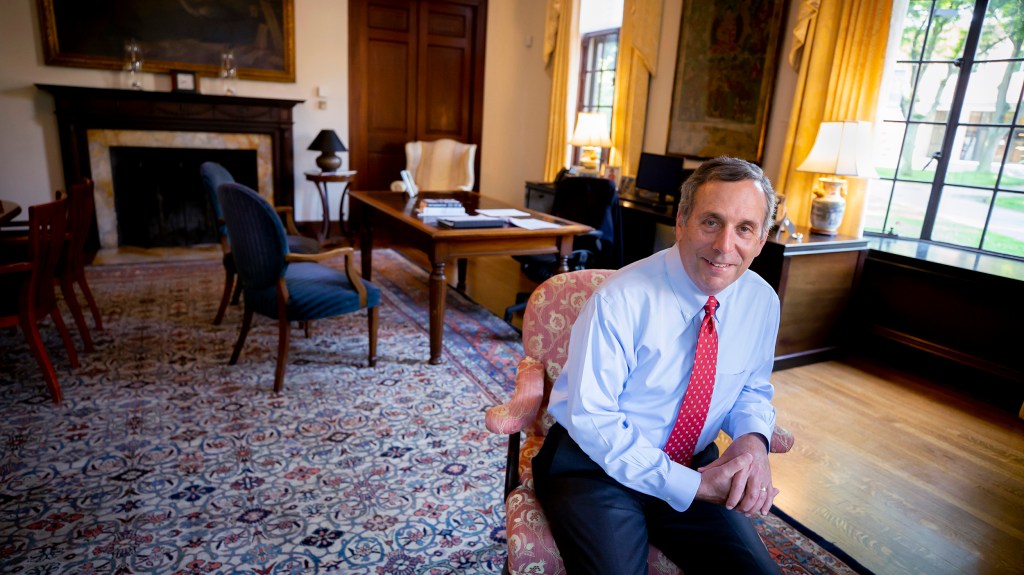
x=516, y=98
x=517, y=92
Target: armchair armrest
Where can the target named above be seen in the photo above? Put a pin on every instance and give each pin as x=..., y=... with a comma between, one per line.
x=782, y=440
x=350, y=267
x=286, y=213
x=519, y=412
x=317, y=258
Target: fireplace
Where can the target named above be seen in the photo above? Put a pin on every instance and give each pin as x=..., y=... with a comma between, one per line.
x=182, y=152
x=93, y=121
x=160, y=200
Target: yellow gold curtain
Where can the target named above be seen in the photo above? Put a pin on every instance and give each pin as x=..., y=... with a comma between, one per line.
x=843, y=45
x=638, y=58
x=561, y=34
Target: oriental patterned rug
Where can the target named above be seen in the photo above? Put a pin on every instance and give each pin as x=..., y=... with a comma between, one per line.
x=164, y=459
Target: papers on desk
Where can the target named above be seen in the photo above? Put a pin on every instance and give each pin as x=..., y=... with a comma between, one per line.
x=502, y=213
x=532, y=224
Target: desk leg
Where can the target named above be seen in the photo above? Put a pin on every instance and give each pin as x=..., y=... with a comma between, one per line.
x=438, y=287
x=366, y=248
x=564, y=252
x=325, y=226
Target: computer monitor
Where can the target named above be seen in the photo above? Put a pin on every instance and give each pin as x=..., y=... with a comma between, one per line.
x=661, y=175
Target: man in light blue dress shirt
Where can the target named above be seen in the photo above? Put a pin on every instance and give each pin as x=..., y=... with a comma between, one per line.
x=606, y=485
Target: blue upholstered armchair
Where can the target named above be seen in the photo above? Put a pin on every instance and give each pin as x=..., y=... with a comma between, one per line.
x=285, y=286
x=213, y=175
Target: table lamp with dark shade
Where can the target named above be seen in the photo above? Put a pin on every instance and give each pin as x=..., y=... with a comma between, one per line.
x=327, y=142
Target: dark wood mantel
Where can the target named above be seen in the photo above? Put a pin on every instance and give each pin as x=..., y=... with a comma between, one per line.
x=80, y=109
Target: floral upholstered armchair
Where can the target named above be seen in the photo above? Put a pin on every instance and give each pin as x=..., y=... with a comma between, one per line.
x=547, y=323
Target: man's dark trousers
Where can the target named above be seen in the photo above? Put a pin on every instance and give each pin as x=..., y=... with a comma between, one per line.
x=601, y=526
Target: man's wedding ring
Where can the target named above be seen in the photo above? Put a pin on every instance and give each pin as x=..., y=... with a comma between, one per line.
x=764, y=490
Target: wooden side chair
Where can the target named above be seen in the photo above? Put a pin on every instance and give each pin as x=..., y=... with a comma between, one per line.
x=26, y=287
x=285, y=286
x=547, y=324
x=213, y=175
x=70, y=271
x=81, y=205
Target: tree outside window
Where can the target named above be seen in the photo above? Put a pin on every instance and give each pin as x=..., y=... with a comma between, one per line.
x=951, y=132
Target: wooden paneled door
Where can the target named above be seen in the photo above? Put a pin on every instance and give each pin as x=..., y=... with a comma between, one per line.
x=415, y=73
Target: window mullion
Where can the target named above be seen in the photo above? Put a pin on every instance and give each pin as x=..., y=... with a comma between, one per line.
x=955, y=109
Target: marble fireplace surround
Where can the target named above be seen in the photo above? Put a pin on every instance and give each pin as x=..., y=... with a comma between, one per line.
x=91, y=120
x=100, y=142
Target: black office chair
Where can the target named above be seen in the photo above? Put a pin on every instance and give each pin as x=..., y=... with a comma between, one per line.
x=590, y=201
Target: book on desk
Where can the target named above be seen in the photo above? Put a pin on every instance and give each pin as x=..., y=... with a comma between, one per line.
x=470, y=222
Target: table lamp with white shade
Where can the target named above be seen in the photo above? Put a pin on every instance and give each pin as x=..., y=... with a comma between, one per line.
x=841, y=149
x=591, y=135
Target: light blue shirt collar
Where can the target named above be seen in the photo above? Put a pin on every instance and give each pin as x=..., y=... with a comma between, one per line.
x=690, y=298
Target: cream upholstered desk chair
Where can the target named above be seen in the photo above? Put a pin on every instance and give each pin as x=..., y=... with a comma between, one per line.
x=547, y=323
x=439, y=166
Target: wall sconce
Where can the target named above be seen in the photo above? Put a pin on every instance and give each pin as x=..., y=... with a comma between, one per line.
x=327, y=142
x=591, y=135
x=841, y=149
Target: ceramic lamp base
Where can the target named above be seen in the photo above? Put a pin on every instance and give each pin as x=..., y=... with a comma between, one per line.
x=828, y=208
x=328, y=162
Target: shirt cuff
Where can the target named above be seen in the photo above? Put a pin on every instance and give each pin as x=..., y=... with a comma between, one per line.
x=681, y=487
x=753, y=425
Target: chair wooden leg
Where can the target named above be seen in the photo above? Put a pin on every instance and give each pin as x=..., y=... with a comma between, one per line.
x=95, y=309
x=229, y=282
x=460, y=283
x=65, y=335
x=30, y=329
x=374, y=320
x=68, y=290
x=246, y=323
x=238, y=293
x=283, y=329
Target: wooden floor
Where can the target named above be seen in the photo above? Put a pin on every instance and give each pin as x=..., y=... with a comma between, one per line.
x=902, y=474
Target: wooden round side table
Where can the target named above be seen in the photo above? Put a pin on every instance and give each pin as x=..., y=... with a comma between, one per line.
x=321, y=179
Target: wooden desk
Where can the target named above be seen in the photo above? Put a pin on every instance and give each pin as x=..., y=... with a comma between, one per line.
x=321, y=179
x=8, y=211
x=392, y=213
x=815, y=278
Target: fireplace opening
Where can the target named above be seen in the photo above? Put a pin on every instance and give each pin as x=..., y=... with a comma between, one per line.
x=159, y=198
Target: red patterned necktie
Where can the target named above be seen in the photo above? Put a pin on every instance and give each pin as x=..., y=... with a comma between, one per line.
x=694, y=410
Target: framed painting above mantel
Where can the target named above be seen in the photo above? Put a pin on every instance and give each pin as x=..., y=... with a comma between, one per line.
x=191, y=35
x=725, y=71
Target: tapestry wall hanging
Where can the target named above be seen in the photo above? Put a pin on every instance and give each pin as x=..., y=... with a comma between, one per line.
x=725, y=73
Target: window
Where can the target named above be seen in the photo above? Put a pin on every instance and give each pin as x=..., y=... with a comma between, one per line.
x=598, y=55
x=950, y=151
